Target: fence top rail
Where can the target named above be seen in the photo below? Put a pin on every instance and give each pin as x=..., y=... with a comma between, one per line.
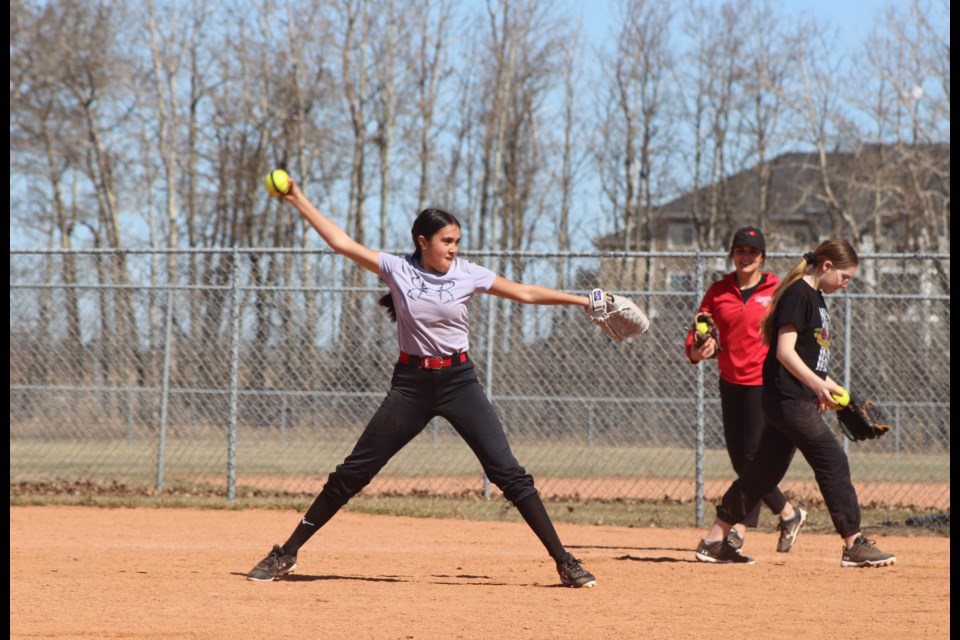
x=319, y=393
x=379, y=289
x=483, y=252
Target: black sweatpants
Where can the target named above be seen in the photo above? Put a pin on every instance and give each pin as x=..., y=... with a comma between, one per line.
x=797, y=424
x=415, y=397
x=743, y=424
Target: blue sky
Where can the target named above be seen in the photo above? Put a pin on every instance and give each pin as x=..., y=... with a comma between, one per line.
x=849, y=20
x=852, y=19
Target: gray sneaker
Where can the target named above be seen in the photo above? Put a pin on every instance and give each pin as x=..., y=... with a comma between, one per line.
x=734, y=540
x=720, y=552
x=864, y=554
x=572, y=574
x=790, y=529
x=276, y=564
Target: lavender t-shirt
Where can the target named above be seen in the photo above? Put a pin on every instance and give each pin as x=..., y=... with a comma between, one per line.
x=432, y=318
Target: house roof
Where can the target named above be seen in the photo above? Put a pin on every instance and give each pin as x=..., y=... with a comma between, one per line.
x=796, y=191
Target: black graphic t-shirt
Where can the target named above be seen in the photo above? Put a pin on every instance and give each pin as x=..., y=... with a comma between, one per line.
x=804, y=307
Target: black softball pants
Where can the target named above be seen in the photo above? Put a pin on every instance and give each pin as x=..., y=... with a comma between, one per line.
x=743, y=425
x=797, y=424
x=415, y=397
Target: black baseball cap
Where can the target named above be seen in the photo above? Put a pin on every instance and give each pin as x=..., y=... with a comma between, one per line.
x=750, y=236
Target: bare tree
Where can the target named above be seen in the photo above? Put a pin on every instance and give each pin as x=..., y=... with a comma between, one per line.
x=641, y=64
x=528, y=132
x=171, y=42
x=460, y=181
x=765, y=70
x=916, y=39
x=390, y=38
x=355, y=25
x=428, y=73
x=43, y=148
x=694, y=95
x=496, y=89
x=354, y=78
x=304, y=137
x=96, y=83
x=572, y=152
x=815, y=101
x=644, y=62
x=719, y=72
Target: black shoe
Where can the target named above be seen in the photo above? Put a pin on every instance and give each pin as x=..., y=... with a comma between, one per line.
x=720, y=552
x=790, y=529
x=276, y=564
x=734, y=540
x=864, y=554
x=572, y=574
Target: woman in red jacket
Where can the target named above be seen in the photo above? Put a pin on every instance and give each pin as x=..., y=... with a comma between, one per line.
x=738, y=302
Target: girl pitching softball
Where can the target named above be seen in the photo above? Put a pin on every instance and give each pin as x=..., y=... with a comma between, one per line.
x=433, y=376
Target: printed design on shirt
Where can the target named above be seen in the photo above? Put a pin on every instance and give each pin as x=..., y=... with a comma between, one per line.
x=823, y=336
x=421, y=289
x=764, y=300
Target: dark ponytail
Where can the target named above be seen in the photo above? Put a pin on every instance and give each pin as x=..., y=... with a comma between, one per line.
x=427, y=223
x=386, y=301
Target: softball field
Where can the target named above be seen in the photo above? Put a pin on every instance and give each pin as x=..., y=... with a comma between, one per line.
x=87, y=572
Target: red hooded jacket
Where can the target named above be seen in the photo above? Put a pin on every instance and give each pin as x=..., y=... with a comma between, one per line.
x=743, y=349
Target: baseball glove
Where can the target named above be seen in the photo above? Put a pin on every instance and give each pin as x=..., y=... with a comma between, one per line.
x=861, y=420
x=618, y=317
x=705, y=328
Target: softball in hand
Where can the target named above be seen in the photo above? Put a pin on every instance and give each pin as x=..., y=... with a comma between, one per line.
x=277, y=182
x=842, y=397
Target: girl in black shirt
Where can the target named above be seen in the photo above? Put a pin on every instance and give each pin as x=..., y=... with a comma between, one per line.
x=796, y=390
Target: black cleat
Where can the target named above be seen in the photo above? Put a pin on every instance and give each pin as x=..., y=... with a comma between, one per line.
x=572, y=574
x=720, y=552
x=276, y=564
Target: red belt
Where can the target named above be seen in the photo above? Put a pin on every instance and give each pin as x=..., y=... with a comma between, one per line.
x=432, y=363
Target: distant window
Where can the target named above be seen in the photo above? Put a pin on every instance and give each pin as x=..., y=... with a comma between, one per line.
x=680, y=235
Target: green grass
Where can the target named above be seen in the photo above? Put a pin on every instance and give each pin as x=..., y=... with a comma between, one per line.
x=59, y=472
x=137, y=460
x=612, y=513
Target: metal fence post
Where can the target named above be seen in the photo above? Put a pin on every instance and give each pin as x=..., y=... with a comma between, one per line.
x=896, y=433
x=131, y=407
x=165, y=388
x=283, y=422
x=234, y=390
x=847, y=331
x=491, y=323
x=699, y=410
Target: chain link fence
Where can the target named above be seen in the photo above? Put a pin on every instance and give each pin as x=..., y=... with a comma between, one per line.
x=253, y=371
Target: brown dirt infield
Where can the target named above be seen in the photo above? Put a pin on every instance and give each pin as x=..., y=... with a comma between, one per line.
x=86, y=572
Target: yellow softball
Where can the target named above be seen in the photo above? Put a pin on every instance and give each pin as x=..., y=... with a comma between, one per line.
x=702, y=328
x=842, y=397
x=277, y=182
